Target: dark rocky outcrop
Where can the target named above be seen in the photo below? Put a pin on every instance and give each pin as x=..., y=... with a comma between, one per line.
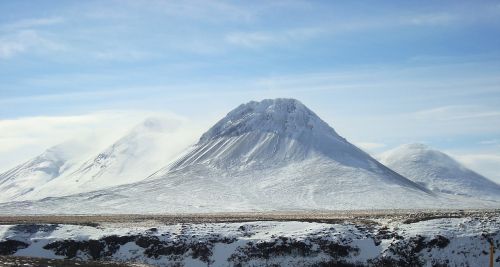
x=9, y=247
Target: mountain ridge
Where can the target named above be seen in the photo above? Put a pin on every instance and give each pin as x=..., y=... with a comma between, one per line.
x=272, y=155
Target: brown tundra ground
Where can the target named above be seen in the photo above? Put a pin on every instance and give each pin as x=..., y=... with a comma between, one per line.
x=404, y=216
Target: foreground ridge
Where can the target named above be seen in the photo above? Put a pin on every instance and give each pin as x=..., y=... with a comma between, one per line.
x=367, y=240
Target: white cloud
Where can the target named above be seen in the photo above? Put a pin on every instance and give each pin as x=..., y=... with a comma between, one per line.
x=10, y=48
x=24, y=41
x=23, y=138
x=450, y=113
x=32, y=23
x=251, y=39
x=487, y=164
x=259, y=38
x=123, y=55
x=490, y=142
x=430, y=19
x=22, y=36
x=211, y=11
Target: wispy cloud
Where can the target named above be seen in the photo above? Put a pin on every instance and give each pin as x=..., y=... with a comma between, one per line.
x=484, y=163
x=123, y=55
x=258, y=39
x=430, y=19
x=197, y=10
x=456, y=112
x=32, y=23
x=23, y=138
x=26, y=41
x=490, y=142
x=22, y=36
x=9, y=48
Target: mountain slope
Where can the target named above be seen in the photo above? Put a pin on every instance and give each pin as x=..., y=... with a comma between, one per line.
x=269, y=155
x=130, y=159
x=23, y=179
x=439, y=172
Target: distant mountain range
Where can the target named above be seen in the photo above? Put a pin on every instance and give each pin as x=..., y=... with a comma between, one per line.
x=262, y=156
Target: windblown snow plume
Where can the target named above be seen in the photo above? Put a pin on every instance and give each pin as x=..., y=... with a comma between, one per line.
x=66, y=169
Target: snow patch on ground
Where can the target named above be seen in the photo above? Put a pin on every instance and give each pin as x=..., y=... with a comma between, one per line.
x=451, y=241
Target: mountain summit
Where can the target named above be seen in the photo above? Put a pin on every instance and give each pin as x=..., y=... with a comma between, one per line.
x=288, y=117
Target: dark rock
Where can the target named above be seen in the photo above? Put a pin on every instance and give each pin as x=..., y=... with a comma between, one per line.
x=9, y=247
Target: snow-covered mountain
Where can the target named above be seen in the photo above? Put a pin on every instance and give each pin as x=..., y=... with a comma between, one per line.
x=130, y=159
x=277, y=133
x=23, y=179
x=269, y=155
x=439, y=172
x=58, y=172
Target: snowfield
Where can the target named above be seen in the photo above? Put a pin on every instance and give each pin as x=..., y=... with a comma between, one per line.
x=283, y=189
x=364, y=241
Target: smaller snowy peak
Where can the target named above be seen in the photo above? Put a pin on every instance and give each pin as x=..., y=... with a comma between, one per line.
x=419, y=154
x=130, y=159
x=438, y=171
x=282, y=116
x=26, y=177
x=125, y=152
x=138, y=141
x=49, y=162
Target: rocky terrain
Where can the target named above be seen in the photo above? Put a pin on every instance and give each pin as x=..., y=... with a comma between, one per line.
x=460, y=238
x=13, y=261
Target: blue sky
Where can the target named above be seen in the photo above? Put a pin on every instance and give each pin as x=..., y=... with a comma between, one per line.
x=382, y=73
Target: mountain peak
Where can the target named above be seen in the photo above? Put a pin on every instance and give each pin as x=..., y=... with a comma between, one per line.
x=282, y=116
x=438, y=171
x=415, y=146
x=417, y=152
x=274, y=133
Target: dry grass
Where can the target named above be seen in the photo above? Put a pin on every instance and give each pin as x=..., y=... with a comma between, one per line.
x=405, y=216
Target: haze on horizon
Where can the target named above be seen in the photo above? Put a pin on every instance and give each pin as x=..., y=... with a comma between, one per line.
x=381, y=75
